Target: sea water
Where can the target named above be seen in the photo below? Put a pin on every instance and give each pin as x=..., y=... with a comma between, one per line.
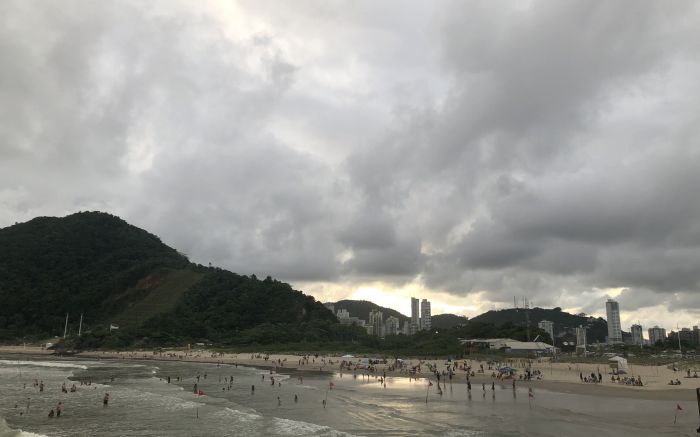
x=144, y=404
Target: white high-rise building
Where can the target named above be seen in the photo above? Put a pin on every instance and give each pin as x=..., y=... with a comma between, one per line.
x=637, y=334
x=612, y=309
x=415, y=316
x=425, y=319
x=656, y=334
x=342, y=314
x=547, y=327
x=376, y=321
x=391, y=327
x=406, y=330
x=581, y=339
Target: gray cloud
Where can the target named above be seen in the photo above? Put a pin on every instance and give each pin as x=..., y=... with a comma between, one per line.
x=549, y=150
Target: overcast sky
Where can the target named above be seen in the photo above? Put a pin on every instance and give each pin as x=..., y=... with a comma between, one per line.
x=466, y=152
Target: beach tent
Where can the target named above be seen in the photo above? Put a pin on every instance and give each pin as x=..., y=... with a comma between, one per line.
x=348, y=356
x=618, y=363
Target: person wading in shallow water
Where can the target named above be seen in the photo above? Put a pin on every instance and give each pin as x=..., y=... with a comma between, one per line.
x=105, y=400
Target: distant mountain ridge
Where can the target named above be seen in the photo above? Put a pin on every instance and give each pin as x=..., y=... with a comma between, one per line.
x=447, y=321
x=596, y=332
x=362, y=308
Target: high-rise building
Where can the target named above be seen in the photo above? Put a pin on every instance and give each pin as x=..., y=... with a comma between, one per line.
x=406, y=329
x=686, y=335
x=425, y=319
x=581, y=339
x=415, y=316
x=391, y=326
x=376, y=321
x=547, y=327
x=637, y=334
x=612, y=308
x=656, y=334
x=342, y=314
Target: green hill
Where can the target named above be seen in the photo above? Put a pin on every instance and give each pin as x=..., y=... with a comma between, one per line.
x=447, y=321
x=597, y=327
x=115, y=273
x=362, y=308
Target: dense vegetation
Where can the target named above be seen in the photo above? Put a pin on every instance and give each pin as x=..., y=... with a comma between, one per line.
x=447, y=321
x=52, y=266
x=97, y=264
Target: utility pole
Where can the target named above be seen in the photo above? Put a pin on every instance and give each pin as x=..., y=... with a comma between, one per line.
x=65, y=329
x=80, y=326
x=527, y=319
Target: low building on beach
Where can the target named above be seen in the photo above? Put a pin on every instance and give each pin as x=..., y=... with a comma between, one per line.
x=507, y=345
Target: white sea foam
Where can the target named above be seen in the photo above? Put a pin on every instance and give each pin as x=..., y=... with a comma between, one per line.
x=54, y=364
x=6, y=431
x=162, y=401
x=240, y=416
x=464, y=433
x=288, y=427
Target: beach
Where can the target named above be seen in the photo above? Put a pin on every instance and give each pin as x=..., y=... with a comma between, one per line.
x=559, y=376
x=562, y=376
x=357, y=403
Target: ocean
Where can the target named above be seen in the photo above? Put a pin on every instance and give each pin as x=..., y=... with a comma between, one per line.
x=143, y=403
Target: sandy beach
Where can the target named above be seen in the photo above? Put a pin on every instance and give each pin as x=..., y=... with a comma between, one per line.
x=558, y=376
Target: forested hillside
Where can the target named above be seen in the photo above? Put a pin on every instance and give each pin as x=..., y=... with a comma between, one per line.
x=115, y=273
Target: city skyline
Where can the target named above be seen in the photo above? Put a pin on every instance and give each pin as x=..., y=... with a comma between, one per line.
x=636, y=329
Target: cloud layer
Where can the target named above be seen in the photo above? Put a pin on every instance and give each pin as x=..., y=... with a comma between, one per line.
x=466, y=151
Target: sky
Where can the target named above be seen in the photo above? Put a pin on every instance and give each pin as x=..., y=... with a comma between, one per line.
x=470, y=153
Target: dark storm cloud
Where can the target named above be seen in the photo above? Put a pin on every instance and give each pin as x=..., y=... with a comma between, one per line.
x=542, y=149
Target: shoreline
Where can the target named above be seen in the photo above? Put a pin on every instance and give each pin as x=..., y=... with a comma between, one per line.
x=557, y=377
